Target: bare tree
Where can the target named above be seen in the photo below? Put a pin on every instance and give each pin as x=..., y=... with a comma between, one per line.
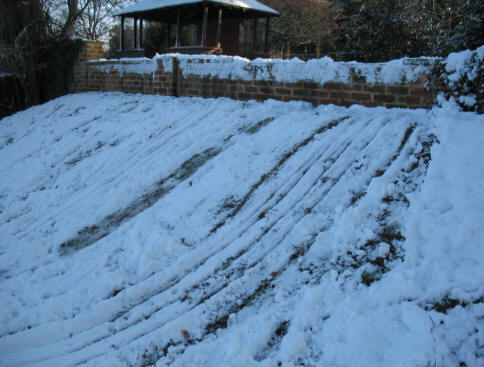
x=89, y=19
x=96, y=19
x=63, y=15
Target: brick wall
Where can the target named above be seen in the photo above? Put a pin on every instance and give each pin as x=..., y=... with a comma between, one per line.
x=411, y=95
x=165, y=76
x=108, y=75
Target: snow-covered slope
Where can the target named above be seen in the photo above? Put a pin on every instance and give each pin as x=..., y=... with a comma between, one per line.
x=149, y=230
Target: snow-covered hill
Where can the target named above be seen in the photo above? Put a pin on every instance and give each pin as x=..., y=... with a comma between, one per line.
x=149, y=230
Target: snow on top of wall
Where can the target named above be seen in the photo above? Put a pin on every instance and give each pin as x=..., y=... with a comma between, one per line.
x=321, y=70
x=234, y=67
x=139, y=65
x=395, y=71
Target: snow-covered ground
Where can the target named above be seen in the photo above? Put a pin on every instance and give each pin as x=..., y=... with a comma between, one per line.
x=145, y=230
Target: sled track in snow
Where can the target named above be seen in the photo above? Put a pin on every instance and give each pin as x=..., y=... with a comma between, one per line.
x=251, y=246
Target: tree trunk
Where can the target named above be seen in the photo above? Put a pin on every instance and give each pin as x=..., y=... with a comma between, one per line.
x=73, y=12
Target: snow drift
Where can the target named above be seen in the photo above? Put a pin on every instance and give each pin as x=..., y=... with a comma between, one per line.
x=149, y=230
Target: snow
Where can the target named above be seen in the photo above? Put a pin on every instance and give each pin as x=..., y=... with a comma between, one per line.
x=214, y=232
x=237, y=68
x=147, y=5
x=137, y=65
x=464, y=64
x=469, y=100
x=316, y=70
x=460, y=66
x=463, y=75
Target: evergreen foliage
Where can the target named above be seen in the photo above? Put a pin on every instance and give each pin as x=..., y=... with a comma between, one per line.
x=376, y=30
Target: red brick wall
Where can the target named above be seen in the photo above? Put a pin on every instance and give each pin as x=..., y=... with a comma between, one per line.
x=106, y=76
x=411, y=95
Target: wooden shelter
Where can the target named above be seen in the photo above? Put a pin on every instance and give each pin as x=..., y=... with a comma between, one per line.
x=218, y=25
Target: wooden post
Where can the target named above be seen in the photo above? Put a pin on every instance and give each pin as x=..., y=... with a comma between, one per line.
x=219, y=28
x=135, y=32
x=121, y=34
x=177, y=39
x=204, y=25
x=140, y=39
x=254, y=39
x=266, y=41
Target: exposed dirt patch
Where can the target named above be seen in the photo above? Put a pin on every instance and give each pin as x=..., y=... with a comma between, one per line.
x=259, y=125
x=93, y=233
x=84, y=155
x=274, y=341
x=447, y=303
x=377, y=255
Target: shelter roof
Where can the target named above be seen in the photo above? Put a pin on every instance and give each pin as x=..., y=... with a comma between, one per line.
x=152, y=5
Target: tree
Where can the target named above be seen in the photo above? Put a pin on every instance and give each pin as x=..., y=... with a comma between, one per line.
x=22, y=31
x=39, y=59
x=37, y=47
x=321, y=19
x=456, y=25
x=378, y=30
x=303, y=22
x=87, y=19
x=95, y=20
x=63, y=15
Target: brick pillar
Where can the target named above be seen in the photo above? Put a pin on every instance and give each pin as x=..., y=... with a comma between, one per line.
x=91, y=50
x=94, y=50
